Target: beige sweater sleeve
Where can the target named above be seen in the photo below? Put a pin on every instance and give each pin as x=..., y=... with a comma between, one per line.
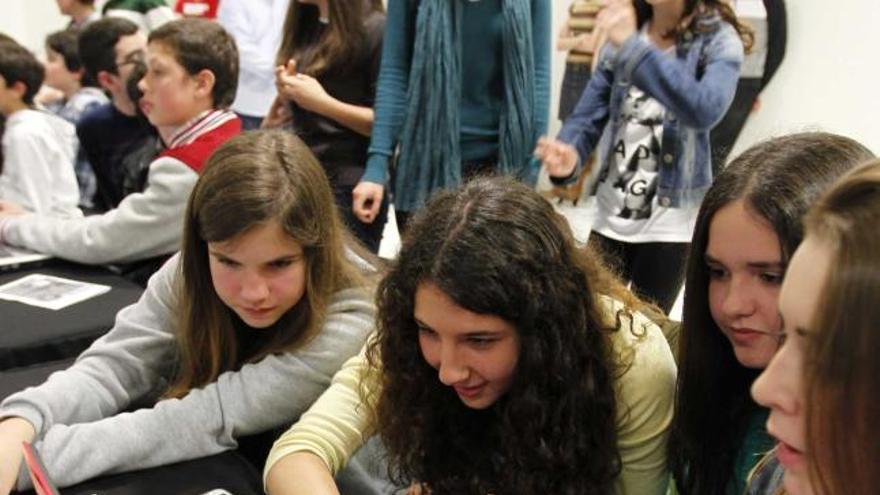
x=335, y=426
x=338, y=423
x=645, y=395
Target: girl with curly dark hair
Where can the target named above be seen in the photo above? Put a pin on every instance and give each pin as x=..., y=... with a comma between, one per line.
x=511, y=362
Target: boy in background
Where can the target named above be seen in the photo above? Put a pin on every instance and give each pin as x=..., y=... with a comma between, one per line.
x=192, y=71
x=110, y=49
x=81, y=12
x=64, y=72
x=38, y=147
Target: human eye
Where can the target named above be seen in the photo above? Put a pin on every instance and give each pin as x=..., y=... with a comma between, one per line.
x=774, y=278
x=481, y=341
x=281, y=264
x=716, y=271
x=227, y=262
x=425, y=331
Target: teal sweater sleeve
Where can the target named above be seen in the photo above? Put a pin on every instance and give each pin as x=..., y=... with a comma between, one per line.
x=541, y=35
x=391, y=88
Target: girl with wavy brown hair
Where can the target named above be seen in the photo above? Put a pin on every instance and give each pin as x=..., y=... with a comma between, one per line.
x=666, y=75
x=235, y=336
x=823, y=386
x=507, y=360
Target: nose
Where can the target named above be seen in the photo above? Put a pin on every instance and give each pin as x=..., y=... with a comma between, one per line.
x=778, y=385
x=739, y=299
x=142, y=84
x=254, y=288
x=452, y=368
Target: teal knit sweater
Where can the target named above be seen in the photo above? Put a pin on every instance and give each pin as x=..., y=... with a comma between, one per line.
x=482, y=88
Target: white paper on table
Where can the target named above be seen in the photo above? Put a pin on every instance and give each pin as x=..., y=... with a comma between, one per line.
x=46, y=291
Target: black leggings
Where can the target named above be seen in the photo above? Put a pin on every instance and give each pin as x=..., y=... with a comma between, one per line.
x=656, y=269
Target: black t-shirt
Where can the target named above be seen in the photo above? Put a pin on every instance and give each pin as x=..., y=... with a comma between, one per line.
x=342, y=151
x=107, y=136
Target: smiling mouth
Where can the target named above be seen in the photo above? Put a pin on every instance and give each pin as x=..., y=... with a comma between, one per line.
x=469, y=392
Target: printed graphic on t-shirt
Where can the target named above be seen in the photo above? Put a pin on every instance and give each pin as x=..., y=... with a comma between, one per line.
x=629, y=184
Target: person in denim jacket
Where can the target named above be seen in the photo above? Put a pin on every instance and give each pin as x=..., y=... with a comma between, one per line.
x=666, y=75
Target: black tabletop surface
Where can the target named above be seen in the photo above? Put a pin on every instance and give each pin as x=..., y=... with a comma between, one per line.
x=31, y=335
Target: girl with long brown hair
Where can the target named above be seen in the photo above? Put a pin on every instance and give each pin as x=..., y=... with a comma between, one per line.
x=235, y=336
x=750, y=223
x=823, y=386
x=328, y=64
x=507, y=360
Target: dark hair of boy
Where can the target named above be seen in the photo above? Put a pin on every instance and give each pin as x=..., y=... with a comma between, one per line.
x=97, y=44
x=65, y=44
x=17, y=64
x=198, y=45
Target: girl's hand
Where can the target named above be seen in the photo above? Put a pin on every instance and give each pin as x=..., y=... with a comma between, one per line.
x=278, y=116
x=560, y=159
x=586, y=43
x=306, y=91
x=617, y=21
x=418, y=489
x=300, y=88
x=13, y=431
x=366, y=201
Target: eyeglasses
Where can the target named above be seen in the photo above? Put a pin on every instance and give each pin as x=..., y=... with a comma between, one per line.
x=135, y=57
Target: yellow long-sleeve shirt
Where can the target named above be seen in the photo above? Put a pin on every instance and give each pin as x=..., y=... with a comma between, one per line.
x=338, y=423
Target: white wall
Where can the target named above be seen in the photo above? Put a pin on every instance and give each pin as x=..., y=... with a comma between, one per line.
x=29, y=21
x=829, y=77
x=827, y=81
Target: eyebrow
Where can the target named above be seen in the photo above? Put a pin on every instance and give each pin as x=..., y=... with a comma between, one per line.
x=755, y=264
x=475, y=333
x=285, y=257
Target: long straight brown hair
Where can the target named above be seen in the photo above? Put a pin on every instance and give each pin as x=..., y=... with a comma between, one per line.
x=251, y=179
x=841, y=365
x=778, y=180
x=345, y=34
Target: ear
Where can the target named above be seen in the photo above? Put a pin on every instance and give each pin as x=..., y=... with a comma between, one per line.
x=20, y=88
x=106, y=80
x=205, y=81
x=78, y=74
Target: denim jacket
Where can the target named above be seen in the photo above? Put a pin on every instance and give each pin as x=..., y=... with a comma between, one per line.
x=696, y=87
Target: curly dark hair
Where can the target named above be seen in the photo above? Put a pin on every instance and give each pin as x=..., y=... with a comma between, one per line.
x=496, y=247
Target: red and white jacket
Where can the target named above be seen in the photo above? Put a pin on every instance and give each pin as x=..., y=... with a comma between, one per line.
x=145, y=224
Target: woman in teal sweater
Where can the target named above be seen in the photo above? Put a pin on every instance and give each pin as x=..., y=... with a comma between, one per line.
x=464, y=88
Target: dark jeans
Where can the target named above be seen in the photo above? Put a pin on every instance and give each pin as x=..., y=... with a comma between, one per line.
x=469, y=170
x=249, y=122
x=656, y=269
x=574, y=81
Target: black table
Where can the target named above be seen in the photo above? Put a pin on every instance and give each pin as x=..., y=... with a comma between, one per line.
x=30, y=335
x=229, y=471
